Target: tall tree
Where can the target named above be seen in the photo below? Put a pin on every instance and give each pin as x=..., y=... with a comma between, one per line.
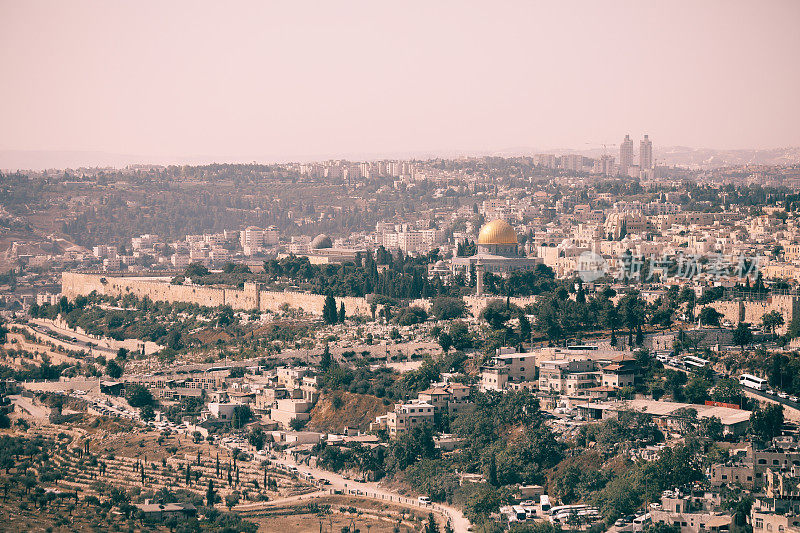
x=431, y=526
x=211, y=494
x=767, y=423
x=742, y=336
x=326, y=361
x=329, y=314
x=772, y=321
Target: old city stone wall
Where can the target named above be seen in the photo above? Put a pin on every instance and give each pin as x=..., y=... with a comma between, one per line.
x=310, y=303
x=159, y=289
x=752, y=311
x=475, y=304
x=732, y=311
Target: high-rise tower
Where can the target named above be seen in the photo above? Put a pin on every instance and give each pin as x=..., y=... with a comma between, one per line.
x=646, y=154
x=625, y=155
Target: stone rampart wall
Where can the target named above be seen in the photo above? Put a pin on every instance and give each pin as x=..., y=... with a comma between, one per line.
x=159, y=289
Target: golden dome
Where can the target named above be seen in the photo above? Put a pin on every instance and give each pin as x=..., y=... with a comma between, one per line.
x=497, y=232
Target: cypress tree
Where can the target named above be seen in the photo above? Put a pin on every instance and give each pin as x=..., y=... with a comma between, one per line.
x=211, y=494
x=329, y=314
x=326, y=360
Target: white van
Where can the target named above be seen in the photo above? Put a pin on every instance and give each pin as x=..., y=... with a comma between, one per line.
x=424, y=500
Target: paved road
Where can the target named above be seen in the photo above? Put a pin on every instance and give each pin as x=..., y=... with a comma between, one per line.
x=791, y=409
x=377, y=350
x=374, y=491
x=81, y=342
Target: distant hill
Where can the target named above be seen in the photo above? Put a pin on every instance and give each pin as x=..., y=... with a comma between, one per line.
x=11, y=160
x=684, y=156
x=355, y=410
x=710, y=158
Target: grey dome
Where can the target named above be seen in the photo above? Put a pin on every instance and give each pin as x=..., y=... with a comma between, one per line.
x=321, y=241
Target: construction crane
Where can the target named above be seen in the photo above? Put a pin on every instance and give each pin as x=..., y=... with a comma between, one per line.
x=604, y=145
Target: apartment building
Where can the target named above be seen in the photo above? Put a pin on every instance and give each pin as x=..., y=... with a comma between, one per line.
x=288, y=409
x=451, y=398
x=753, y=468
x=405, y=417
x=777, y=510
x=520, y=366
x=619, y=374
x=692, y=511
x=493, y=378
x=567, y=377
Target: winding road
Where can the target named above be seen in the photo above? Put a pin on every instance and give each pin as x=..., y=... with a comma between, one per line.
x=368, y=490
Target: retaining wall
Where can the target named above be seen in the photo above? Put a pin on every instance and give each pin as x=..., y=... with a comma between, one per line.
x=159, y=289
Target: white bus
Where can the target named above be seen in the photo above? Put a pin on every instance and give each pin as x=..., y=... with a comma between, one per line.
x=563, y=513
x=695, y=362
x=640, y=522
x=663, y=355
x=752, y=382
x=519, y=513
x=561, y=509
x=544, y=503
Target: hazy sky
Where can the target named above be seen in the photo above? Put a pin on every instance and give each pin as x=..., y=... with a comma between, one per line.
x=278, y=80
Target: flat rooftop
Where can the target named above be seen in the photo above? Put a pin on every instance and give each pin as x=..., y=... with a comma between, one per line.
x=727, y=415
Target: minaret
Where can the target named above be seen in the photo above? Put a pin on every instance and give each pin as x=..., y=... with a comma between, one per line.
x=479, y=280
